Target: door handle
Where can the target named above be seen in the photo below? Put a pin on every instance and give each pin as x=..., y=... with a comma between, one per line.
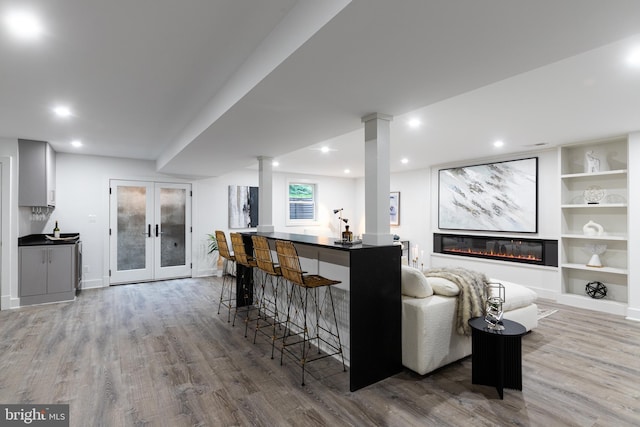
x=157, y=231
x=148, y=230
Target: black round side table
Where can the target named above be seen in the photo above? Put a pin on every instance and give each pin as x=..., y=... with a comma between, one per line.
x=496, y=356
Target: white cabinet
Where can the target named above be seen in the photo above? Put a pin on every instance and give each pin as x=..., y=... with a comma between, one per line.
x=594, y=191
x=37, y=173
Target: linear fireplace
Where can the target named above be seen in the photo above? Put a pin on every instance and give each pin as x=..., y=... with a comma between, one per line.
x=527, y=251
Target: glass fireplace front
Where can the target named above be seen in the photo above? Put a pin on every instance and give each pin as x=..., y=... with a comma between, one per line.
x=528, y=251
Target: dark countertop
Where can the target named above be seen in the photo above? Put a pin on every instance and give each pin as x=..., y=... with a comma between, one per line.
x=40, y=239
x=326, y=242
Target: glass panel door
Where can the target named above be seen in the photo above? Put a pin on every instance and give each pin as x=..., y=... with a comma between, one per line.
x=150, y=231
x=131, y=237
x=173, y=243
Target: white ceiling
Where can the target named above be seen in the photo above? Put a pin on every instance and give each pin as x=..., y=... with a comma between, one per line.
x=205, y=87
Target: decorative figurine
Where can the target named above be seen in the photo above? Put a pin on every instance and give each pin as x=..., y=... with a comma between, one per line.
x=592, y=163
x=596, y=250
x=592, y=229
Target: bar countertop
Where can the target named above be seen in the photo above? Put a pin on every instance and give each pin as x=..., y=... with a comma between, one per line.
x=327, y=242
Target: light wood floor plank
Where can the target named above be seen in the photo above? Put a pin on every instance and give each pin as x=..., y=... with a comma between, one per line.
x=157, y=354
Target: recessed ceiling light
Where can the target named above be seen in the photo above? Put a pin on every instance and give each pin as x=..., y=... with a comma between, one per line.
x=325, y=149
x=275, y=163
x=23, y=25
x=414, y=123
x=498, y=144
x=62, y=111
x=76, y=143
x=404, y=161
x=634, y=57
x=347, y=171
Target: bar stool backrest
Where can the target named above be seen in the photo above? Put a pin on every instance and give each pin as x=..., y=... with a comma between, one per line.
x=289, y=262
x=239, y=250
x=223, y=247
x=263, y=255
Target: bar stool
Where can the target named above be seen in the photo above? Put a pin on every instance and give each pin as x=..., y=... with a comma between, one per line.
x=227, y=285
x=246, y=276
x=268, y=304
x=310, y=283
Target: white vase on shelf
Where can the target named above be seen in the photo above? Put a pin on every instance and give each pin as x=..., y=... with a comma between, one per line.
x=592, y=228
x=596, y=250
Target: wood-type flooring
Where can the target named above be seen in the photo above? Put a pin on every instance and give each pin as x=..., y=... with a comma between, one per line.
x=158, y=354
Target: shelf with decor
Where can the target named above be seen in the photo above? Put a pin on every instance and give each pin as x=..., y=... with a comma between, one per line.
x=594, y=224
x=593, y=174
x=606, y=236
x=599, y=269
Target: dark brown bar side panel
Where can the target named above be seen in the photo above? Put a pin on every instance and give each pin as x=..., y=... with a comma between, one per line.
x=375, y=315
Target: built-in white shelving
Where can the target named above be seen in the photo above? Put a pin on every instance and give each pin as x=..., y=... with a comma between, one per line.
x=610, y=179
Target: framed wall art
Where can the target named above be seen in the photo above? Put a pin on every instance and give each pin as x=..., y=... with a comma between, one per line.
x=243, y=206
x=394, y=208
x=500, y=196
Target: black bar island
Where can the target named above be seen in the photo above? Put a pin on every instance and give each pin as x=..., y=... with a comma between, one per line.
x=375, y=305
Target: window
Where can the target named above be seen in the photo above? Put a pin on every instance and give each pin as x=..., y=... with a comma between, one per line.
x=302, y=203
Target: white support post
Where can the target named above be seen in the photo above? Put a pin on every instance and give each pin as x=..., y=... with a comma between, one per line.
x=265, y=195
x=377, y=179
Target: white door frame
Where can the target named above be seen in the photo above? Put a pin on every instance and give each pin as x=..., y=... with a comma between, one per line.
x=152, y=229
x=5, y=233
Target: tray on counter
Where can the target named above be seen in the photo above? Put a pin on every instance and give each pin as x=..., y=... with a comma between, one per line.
x=61, y=238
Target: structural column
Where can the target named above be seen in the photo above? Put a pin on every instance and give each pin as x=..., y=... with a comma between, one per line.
x=265, y=195
x=633, y=167
x=377, y=180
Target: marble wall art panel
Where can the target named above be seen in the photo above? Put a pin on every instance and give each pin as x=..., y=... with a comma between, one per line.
x=501, y=196
x=243, y=206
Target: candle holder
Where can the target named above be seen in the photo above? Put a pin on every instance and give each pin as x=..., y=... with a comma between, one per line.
x=495, y=299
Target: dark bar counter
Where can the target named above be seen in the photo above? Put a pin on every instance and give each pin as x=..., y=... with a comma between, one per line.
x=375, y=304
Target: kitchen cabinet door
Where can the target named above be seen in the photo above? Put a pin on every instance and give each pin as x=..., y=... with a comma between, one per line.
x=33, y=270
x=37, y=173
x=60, y=269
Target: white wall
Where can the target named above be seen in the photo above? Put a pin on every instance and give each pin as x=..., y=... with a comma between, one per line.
x=332, y=193
x=415, y=200
x=9, y=231
x=633, y=280
x=82, y=205
x=210, y=213
x=544, y=280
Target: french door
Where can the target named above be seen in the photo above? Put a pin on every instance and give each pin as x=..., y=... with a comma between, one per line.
x=150, y=231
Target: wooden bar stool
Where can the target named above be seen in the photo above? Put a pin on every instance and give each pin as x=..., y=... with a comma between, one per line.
x=268, y=310
x=326, y=339
x=227, y=281
x=245, y=274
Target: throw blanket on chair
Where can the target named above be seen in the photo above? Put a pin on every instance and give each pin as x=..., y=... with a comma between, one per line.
x=470, y=301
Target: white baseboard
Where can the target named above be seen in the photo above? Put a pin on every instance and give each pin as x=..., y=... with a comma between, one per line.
x=7, y=302
x=92, y=284
x=545, y=293
x=633, y=314
x=207, y=272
